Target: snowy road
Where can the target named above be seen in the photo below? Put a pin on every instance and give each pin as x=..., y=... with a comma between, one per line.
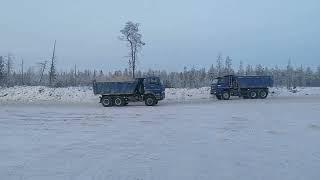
x=276, y=138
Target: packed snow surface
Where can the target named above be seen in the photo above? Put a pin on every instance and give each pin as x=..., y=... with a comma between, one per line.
x=189, y=136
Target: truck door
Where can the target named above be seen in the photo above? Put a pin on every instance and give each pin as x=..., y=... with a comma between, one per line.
x=153, y=85
x=235, y=83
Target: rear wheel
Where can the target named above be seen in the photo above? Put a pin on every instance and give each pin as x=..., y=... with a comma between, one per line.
x=106, y=101
x=263, y=94
x=225, y=95
x=150, y=101
x=253, y=94
x=119, y=101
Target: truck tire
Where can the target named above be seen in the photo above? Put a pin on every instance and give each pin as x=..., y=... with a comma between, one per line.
x=218, y=97
x=106, y=101
x=119, y=101
x=150, y=101
x=226, y=95
x=253, y=94
x=263, y=94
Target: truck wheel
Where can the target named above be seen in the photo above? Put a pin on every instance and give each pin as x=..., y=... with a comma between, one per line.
x=253, y=94
x=150, y=101
x=225, y=95
x=106, y=101
x=119, y=101
x=218, y=97
x=263, y=94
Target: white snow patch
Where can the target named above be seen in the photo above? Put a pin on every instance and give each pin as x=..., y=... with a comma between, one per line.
x=41, y=94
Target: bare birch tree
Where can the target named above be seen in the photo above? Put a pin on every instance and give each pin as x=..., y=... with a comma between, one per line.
x=130, y=34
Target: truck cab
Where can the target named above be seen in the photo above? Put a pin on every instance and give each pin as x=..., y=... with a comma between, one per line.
x=154, y=87
x=225, y=83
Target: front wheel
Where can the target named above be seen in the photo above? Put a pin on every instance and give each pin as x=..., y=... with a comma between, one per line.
x=150, y=101
x=226, y=95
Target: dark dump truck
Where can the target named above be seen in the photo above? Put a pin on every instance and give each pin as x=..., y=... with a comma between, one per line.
x=252, y=87
x=119, y=93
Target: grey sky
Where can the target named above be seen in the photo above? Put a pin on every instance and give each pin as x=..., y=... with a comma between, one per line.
x=177, y=32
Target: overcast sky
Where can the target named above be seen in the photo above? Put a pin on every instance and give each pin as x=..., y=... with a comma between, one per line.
x=176, y=32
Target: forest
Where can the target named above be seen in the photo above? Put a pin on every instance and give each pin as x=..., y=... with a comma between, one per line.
x=14, y=73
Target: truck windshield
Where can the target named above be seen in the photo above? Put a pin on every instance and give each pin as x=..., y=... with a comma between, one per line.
x=221, y=80
x=214, y=81
x=153, y=80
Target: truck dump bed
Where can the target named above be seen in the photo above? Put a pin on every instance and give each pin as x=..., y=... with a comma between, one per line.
x=255, y=81
x=114, y=88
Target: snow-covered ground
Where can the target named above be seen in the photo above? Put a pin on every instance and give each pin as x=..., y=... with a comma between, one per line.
x=75, y=95
x=188, y=136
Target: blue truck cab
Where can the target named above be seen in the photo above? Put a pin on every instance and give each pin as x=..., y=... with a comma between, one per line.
x=120, y=93
x=243, y=86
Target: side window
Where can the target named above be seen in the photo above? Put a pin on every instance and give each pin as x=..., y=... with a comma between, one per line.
x=221, y=81
x=154, y=81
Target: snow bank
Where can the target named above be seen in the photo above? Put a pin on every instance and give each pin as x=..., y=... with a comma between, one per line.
x=40, y=94
x=184, y=94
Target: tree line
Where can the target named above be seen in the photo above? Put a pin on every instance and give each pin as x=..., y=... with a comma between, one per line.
x=44, y=73
x=13, y=73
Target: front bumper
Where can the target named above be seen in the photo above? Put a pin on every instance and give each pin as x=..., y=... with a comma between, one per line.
x=213, y=91
x=160, y=96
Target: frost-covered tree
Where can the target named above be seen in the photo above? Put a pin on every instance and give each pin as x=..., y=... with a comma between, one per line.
x=289, y=75
x=259, y=70
x=212, y=73
x=42, y=65
x=52, y=70
x=130, y=34
x=228, y=66
x=241, y=69
x=299, y=77
x=2, y=71
x=219, y=65
x=249, y=70
x=309, y=76
x=9, y=69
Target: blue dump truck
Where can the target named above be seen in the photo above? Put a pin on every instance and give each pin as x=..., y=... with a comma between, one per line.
x=252, y=87
x=150, y=90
